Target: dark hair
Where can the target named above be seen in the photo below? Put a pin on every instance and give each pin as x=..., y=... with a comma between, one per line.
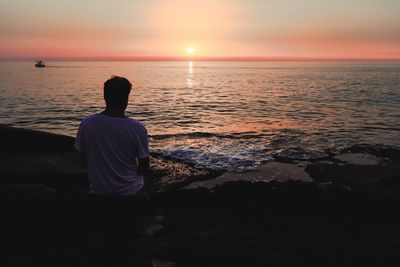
x=116, y=92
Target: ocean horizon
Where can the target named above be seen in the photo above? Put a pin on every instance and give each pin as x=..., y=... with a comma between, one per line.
x=219, y=115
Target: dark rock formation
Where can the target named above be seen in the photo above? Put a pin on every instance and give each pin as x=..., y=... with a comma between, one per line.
x=236, y=224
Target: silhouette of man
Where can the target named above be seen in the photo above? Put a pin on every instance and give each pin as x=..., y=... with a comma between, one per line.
x=115, y=147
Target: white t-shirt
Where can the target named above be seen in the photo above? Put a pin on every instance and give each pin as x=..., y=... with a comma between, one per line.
x=112, y=146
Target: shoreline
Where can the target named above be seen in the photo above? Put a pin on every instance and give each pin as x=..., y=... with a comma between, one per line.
x=49, y=158
x=337, y=211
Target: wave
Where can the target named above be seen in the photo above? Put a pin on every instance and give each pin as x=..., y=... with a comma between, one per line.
x=213, y=161
x=300, y=154
x=251, y=159
x=241, y=135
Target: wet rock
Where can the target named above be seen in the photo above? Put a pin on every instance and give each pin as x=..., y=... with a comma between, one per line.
x=27, y=190
x=18, y=140
x=326, y=186
x=361, y=171
x=35, y=157
x=250, y=222
x=359, y=159
x=271, y=171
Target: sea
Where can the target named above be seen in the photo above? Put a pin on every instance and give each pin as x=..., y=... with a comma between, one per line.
x=230, y=116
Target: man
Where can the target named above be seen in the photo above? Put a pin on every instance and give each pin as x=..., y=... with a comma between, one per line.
x=115, y=147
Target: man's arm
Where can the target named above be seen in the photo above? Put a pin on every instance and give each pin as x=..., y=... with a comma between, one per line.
x=143, y=165
x=80, y=144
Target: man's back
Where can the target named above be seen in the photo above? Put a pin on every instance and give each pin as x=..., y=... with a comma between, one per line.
x=112, y=146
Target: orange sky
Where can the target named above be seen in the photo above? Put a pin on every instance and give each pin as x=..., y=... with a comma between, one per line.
x=223, y=29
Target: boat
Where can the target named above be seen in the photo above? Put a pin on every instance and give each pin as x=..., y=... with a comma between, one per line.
x=40, y=64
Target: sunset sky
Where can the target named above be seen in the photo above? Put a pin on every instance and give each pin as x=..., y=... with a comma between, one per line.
x=271, y=29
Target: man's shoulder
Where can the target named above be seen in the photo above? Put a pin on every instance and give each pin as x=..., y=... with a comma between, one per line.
x=136, y=124
x=90, y=118
x=99, y=119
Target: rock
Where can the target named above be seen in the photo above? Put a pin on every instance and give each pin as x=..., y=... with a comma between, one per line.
x=326, y=186
x=358, y=159
x=27, y=190
x=271, y=171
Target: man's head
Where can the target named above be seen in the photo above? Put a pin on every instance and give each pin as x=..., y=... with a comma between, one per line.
x=116, y=92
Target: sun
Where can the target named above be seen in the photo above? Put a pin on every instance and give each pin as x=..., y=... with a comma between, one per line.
x=190, y=50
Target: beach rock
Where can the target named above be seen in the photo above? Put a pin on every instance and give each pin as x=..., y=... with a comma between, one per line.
x=30, y=157
x=331, y=187
x=271, y=171
x=27, y=190
x=153, y=224
x=24, y=141
x=361, y=171
x=359, y=159
x=162, y=263
x=326, y=185
x=171, y=174
x=276, y=216
x=35, y=157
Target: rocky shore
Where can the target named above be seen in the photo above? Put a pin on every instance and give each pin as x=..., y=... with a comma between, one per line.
x=338, y=211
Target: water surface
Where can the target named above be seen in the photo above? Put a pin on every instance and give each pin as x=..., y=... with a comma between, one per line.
x=230, y=115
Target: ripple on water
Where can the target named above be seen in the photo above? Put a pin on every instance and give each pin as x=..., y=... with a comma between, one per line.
x=231, y=115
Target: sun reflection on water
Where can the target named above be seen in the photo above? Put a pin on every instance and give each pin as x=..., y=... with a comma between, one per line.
x=190, y=74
